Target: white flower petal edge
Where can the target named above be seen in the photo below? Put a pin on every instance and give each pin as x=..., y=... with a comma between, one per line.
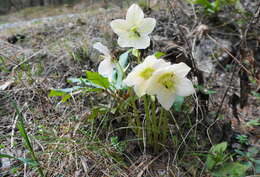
x=106, y=68
x=147, y=26
x=134, y=14
x=102, y=49
x=184, y=87
x=142, y=43
x=166, y=99
x=169, y=82
x=120, y=27
x=141, y=74
x=134, y=31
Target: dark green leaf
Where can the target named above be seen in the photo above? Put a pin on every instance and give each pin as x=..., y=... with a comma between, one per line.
x=98, y=79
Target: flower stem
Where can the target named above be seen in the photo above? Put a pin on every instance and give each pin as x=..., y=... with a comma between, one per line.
x=148, y=125
x=136, y=114
x=155, y=128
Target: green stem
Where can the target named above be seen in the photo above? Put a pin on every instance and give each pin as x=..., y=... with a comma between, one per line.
x=165, y=125
x=155, y=128
x=136, y=114
x=24, y=135
x=147, y=119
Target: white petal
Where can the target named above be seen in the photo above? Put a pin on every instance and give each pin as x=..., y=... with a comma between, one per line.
x=180, y=69
x=153, y=86
x=156, y=63
x=106, y=68
x=101, y=48
x=132, y=79
x=140, y=89
x=184, y=87
x=124, y=42
x=134, y=15
x=147, y=26
x=166, y=99
x=141, y=43
x=120, y=27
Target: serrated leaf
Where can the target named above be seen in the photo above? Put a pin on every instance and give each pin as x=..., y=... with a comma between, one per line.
x=97, y=79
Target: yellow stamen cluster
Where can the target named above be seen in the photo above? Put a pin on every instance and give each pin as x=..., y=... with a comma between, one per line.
x=168, y=80
x=134, y=32
x=147, y=73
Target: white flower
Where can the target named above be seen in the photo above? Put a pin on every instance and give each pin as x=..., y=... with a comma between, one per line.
x=167, y=83
x=141, y=74
x=106, y=67
x=134, y=31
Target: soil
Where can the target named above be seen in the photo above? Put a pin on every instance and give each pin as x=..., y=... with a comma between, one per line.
x=35, y=56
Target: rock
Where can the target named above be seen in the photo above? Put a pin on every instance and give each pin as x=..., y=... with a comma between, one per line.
x=14, y=38
x=207, y=53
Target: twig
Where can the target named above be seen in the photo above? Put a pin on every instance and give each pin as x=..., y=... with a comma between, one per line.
x=256, y=16
x=172, y=12
x=226, y=92
x=229, y=53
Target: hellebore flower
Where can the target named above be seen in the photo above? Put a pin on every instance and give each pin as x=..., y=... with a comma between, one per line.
x=106, y=66
x=169, y=82
x=139, y=77
x=134, y=30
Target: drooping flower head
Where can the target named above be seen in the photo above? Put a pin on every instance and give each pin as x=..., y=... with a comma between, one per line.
x=139, y=77
x=106, y=66
x=169, y=82
x=134, y=30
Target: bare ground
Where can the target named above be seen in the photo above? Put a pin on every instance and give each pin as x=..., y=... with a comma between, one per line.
x=37, y=57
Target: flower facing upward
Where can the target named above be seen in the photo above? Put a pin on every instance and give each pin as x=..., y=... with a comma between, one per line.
x=134, y=30
x=106, y=66
x=142, y=73
x=169, y=82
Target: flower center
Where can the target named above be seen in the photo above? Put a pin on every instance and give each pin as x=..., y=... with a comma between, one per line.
x=134, y=32
x=147, y=73
x=168, y=80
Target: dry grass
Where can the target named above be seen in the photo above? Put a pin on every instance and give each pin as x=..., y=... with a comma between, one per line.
x=66, y=141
